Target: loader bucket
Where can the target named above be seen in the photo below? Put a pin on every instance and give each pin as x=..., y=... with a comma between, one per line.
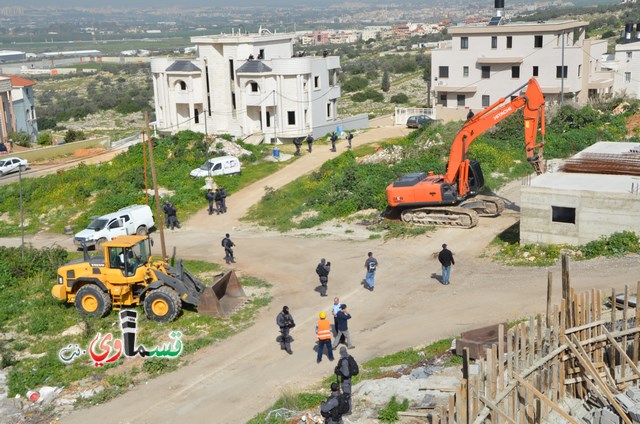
x=223, y=298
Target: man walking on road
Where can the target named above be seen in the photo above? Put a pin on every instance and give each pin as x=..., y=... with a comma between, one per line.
x=228, y=249
x=322, y=270
x=349, y=138
x=297, y=141
x=346, y=369
x=284, y=320
x=309, y=141
x=343, y=328
x=334, y=138
x=336, y=309
x=446, y=260
x=323, y=333
x=223, y=198
x=371, y=264
x=210, y=196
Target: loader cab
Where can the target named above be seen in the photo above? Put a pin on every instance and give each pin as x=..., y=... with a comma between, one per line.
x=128, y=259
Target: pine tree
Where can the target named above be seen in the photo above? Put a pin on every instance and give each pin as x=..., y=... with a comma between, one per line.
x=386, y=83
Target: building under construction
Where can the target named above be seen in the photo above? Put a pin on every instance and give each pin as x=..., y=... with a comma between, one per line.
x=592, y=194
x=578, y=363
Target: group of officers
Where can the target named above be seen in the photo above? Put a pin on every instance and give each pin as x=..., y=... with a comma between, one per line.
x=297, y=141
x=339, y=402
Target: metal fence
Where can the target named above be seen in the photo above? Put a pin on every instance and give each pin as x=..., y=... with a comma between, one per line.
x=403, y=113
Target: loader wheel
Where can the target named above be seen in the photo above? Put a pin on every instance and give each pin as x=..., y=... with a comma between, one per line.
x=162, y=304
x=92, y=301
x=142, y=231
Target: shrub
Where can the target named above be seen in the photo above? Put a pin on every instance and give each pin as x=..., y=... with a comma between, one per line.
x=44, y=138
x=390, y=413
x=20, y=138
x=73, y=135
x=355, y=84
x=399, y=98
x=368, y=94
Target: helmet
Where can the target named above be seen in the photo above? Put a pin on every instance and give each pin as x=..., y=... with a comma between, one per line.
x=323, y=315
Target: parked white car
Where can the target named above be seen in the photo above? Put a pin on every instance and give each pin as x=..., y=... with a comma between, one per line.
x=136, y=219
x=224, y=165
x=8, y=165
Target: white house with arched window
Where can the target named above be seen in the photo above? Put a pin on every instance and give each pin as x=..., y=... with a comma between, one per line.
x=245, y=84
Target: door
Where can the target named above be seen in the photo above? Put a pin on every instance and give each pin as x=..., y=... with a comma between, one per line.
x=128, y=224
x=116, y=228
x=217, y=169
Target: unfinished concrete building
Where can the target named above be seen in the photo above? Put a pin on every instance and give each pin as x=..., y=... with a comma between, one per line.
x=592, y=194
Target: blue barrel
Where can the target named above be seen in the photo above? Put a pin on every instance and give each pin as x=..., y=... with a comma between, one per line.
x=276, y=153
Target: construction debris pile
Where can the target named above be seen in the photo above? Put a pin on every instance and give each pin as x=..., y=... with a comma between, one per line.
x=603, y=163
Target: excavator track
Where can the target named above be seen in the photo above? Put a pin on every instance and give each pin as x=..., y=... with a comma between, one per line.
x=454, y=216
x=484, y=205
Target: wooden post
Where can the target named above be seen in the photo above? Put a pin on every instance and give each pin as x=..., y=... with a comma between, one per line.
x=612, y=352
x=566, y=291
x=144, y=161
x=160, y=222
x=464, y=395
x=636, y=338
x=549, y=287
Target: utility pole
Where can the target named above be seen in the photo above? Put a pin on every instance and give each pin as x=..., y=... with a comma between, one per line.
x=155, y=189
x=21, y=212
x=275, y=119
x=144, y=160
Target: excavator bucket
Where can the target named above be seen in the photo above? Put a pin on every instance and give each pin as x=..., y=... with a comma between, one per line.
x=223, y=298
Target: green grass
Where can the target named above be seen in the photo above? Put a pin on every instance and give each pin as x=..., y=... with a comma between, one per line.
x=93, y=190
x=36, y=322
x=509, y=251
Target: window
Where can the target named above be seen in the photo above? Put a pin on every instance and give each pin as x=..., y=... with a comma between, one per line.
x=268, y=119
x=291, y=117
x=535, y=71
x=627, y=77
x=494, y=42
x=196, y=116
x=328, y=110
x=443, y=71
x=464, y=42
x=231, y=71
x=560, y=72
x=254, y=87
x=562, y=214
x=537, y=41
x=579, y=70
x=261, y=54
x=443, y=99
x=509, y=41
x=115, y=224
x=460, y=98
x=486, y=101
x=465, y=71
x=183, y=85
x=316, y=81
x=486, y=71
x=515, y=72
x=629, y=55
x=233, y=100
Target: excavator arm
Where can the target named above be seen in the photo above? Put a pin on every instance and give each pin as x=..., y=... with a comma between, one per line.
x=532, y=101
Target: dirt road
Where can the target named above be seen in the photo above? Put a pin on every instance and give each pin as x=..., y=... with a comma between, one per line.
x=233, y=380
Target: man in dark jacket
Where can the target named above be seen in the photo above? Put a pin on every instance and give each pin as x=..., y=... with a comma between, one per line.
x=284, y=320
x=329, y=409
x=223, y=197
x=309, y=141
x=343, y=373
x=297, y=141
x=334, y=138
x=323, y=270
x=218, y=199
x=343, y=328
x=172, y=212
x=446, y=260
x=228, y=249
x=210, y=196
x=165, y=209
x=350, y=138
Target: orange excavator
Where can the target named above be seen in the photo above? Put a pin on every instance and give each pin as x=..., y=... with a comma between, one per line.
x=452, y=199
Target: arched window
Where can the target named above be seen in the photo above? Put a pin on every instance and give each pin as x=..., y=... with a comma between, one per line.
x=253, y=87
x=181, y=85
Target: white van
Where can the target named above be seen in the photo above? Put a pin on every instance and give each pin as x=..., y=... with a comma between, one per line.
x=136, y=219
x=224, y=165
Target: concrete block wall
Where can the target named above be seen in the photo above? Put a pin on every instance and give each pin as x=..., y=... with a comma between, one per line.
x=597, y=214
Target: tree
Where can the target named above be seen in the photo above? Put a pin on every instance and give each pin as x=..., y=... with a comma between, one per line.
x=386, y=83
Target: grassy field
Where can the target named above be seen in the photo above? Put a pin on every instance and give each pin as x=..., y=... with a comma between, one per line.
x=37, y=327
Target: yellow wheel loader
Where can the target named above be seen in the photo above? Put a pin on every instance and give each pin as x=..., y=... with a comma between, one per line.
x=125, y=275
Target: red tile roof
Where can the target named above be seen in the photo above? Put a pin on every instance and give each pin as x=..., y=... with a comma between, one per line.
x=17, y=81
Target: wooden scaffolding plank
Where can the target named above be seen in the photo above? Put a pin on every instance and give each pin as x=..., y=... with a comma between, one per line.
x=496, y=410
x=623, y=354
x=624, y=327
x=636, y=337
x=546, y=400
x=501, y=330
x=582, y=357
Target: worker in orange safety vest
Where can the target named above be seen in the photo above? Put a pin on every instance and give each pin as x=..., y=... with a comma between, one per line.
x=323, y=332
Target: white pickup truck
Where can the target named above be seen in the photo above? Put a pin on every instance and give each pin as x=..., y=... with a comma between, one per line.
x=136, y=219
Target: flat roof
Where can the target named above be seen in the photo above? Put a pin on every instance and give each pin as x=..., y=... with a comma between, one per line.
x=574, y=181
x=516, y=27
x=602, y=183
